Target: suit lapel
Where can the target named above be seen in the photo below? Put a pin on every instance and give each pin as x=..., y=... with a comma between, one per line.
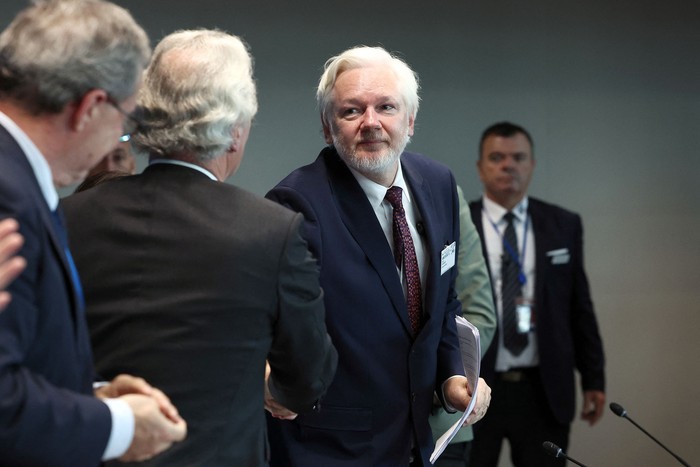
x=23, y=169
x=57, y=246
x=359, y=218
x=476, y=210
x=541, y=240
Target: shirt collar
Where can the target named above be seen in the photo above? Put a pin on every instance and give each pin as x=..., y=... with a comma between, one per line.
x=184, y=164
x=41, y=168
x=496, y=212
x=375, y=192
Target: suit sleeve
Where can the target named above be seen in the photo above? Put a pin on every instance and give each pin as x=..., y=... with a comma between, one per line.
x=41, y=423
x=303, y=359
x=310, y=231
x=449, y=357
x=590, y=359
x=473, y=283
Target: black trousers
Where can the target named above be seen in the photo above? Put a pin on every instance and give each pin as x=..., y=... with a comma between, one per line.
x=455, y=455
x=519, y=413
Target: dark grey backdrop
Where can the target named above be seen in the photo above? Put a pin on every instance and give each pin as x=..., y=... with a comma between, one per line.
x=611, y=93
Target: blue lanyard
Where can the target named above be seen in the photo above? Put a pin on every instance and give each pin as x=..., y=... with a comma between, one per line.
x=509, y=248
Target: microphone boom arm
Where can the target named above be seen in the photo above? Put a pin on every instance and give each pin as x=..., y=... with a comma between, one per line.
x=619, y=411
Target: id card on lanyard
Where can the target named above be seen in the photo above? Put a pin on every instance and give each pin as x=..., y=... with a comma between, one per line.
x=523, y=306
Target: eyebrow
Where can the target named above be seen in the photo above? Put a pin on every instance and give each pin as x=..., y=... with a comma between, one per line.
x=361, y=102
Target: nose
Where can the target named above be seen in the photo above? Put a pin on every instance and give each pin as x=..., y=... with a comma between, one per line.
x=370, y=119
x=508, y=162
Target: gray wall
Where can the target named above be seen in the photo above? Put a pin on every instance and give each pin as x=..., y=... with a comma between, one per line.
x=610, y=90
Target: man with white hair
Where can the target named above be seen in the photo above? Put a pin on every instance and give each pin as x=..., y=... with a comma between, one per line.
x=69, y=72
x=195, y=283
x=383, y=224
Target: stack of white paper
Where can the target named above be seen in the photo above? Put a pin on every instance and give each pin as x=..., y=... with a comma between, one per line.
x=470, y=347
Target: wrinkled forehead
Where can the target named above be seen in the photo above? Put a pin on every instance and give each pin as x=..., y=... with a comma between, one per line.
x=511, y=144
x=367, y=84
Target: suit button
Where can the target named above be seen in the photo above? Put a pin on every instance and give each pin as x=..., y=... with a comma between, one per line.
x=413, y=397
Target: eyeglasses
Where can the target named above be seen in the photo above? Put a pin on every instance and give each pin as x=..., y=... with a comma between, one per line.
x=131, y=122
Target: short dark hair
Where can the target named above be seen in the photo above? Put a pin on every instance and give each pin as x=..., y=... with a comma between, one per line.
x=505, y=130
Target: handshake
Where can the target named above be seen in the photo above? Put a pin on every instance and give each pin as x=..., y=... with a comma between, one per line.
x=157, y=423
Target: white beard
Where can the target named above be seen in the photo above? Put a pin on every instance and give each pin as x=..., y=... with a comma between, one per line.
x=372, y=166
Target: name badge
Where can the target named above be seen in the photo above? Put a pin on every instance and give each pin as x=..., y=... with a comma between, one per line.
x=523, y=313
x=448, y=257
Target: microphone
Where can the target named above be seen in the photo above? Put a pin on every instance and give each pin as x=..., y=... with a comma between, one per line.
x=555, y=451
x=420, y=228
x=621, y=412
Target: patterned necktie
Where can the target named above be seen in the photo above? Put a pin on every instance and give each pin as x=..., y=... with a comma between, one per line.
x=511, y=288
x=56, y=216
x=404, y=250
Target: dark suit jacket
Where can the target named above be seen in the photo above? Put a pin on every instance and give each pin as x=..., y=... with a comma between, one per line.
x=48, y=415
x=192, y=284
x=566, y=326
x=382, y=393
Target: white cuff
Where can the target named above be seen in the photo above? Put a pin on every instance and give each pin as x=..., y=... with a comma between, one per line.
x=122, y=433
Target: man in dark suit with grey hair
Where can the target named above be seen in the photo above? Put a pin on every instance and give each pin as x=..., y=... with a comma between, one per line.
x=194, y=283
x=69, y=72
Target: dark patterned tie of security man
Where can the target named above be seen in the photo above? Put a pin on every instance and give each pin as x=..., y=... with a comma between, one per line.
x=511, y=289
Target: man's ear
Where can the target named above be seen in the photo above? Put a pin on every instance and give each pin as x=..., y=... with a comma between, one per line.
x=87, y=109
x=236, y=139
x=326, y=131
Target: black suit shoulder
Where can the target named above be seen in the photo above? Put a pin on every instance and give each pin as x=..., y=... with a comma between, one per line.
x=551, y=209
x=554, y=221
x=422, y=161
x=475, y=207
x=217, y=191
x=536, y=205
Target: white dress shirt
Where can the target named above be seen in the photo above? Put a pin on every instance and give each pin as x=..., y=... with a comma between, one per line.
x=198, y=168
x=494, y=225
x=384, y=211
